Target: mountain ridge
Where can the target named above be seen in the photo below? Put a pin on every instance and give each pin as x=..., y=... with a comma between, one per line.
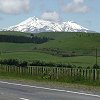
x=36, y=25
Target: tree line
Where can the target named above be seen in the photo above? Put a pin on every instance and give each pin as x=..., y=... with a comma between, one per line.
x=23, y=39
x=20, y=63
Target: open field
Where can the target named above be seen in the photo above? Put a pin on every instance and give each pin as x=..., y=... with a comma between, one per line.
x=73, y=48
x=62, y=40
x=11, y=47
x=83, y=61
x=76, y=41
x=13, y=33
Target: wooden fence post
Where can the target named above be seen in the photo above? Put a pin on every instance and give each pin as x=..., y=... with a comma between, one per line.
x=54, y=72
x=94, y=74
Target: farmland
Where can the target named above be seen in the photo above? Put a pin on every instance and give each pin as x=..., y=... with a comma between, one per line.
x=65, y=48
x=83, y=61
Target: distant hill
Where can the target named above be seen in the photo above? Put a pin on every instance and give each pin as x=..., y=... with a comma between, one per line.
x=72, y=40
x=19, y=37
x=62, y=40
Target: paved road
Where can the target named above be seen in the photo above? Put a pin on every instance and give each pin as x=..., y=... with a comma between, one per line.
x=14, y=91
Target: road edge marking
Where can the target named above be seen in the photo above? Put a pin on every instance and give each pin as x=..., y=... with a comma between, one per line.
x=23, y=99
x=50, y=89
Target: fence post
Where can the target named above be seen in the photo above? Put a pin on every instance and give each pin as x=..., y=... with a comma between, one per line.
x=94, y=74
x=54, y=72
x=97, y=74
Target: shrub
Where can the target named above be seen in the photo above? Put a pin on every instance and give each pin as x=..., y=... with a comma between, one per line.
x=96, y=66
x=23, y=64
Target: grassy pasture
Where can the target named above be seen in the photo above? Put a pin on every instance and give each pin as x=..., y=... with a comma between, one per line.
x=83, y=61
x=64, y=41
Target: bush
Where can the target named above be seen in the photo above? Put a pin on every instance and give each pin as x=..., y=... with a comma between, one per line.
x=14, y=62
x=19, y=63
x=96, y=66
x=9, y=62
x=23, y=64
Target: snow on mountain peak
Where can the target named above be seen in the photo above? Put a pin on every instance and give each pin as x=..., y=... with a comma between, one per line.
x=36, y=25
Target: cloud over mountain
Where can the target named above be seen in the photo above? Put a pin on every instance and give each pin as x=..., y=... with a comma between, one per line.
x=52, y=16
x=14, y=6
x=76, y=6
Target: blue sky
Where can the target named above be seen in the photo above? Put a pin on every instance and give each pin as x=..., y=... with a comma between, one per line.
x=84, y=12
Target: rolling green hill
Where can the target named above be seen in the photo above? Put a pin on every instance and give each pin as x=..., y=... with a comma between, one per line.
x=63, y=40
x=13, y=33
x=74, y=48
x=72, y=41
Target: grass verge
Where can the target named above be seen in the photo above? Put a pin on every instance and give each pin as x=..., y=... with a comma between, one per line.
x=68, y=80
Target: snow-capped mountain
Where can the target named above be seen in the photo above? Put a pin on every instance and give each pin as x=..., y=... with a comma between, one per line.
x=36, y=25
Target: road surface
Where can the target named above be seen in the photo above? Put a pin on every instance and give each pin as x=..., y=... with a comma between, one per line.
x=14, y=91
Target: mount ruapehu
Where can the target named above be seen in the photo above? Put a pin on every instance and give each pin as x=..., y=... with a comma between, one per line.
x=36, y=25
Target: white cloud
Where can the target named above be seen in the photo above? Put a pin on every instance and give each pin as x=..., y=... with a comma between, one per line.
x=14, y=6
x=76, y=6
x=78, y=1
x=52, y=16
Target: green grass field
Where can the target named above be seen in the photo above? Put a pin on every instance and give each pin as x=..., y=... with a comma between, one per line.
x=82, y=44
x=83, y=61
x=62, y=40
x=13, y=33
x=4, y=47
x=74, y=41
x=78, y=42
